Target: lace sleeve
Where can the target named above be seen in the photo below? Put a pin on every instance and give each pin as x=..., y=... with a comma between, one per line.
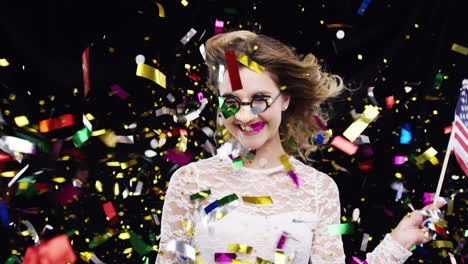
x=327, y=248
x=177, y=209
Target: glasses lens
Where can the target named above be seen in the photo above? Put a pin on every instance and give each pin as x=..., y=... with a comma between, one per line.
x=231, y=104
x=259, y=105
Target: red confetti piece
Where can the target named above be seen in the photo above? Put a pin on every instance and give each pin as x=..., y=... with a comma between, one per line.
x=57, y=250
x=389, y=102
x=5, y=157
x=233, y=70
x=56, y=123
x=448, y=129
x=109, y=210
x=85, y=65
x=344, y=145
x=366, y=165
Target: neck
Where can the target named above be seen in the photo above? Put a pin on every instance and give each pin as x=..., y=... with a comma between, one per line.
x=267, y=156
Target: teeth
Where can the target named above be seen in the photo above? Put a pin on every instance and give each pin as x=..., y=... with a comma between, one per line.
x=246, y=128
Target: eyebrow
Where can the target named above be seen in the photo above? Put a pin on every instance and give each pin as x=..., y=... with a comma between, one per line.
x=267, y=93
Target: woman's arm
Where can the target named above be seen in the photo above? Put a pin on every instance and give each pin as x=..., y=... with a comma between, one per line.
x=177, y=209
x=393, y=249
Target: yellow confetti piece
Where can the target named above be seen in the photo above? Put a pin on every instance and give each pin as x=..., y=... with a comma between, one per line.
x=98, y=132
x=238, y=261
x=459, y=48
x=21, y=121
x=442, y=244
x=113, y=164
x=109, y=138
x=356, y=128
x=98, y=186
x=161, y=10
x=427, y=155
x=127, y=251
x=182, y=145
x=285, y=161
x=188, y=227
x=8, y=174
x=89, y=116
x=242, y=58
x=86, y=256
x=241, y=248
x=59, y=179
x=23, y=186
x=151, y=73
x=4, y=62
x=257, y=199
x=124, y=236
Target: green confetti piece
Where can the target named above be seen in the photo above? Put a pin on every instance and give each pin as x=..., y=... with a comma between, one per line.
x=226, y=111
x=413, y=248
x=227, y=199
x=250, y=156
x=341, y=229
x=152, y=238
x=199, y=195
x=466, y=233
x=139, y=245
x=230, y=11
x=438, y=80
x=41, y=145
x=99, y=240
x=237, y=164
x=81, y=136
x=12, y=260
x=71, y=233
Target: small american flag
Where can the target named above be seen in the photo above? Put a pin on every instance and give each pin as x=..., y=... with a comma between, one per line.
x=460, y=129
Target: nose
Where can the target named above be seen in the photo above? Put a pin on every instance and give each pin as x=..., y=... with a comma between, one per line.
x=244, y=114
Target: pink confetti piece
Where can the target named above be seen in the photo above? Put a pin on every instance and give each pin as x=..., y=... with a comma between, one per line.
x=282, y=240
x=399, y=160
x=219, y=24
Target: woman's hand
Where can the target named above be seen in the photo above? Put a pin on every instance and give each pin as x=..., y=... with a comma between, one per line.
x=411, y=230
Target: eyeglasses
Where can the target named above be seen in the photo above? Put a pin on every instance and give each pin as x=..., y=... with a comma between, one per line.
x=259, y=104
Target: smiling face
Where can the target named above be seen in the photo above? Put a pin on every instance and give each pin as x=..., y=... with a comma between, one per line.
x=255, y=131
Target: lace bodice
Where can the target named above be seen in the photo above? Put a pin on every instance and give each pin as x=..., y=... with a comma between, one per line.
x=299, y=216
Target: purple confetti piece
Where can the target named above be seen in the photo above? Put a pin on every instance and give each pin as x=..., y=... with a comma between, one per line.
x=319, y=122
x=225, y=257
x=119, y=91
x=294, y=177
x=282, y=240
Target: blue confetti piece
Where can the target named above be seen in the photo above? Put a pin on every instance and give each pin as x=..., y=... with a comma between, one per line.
x=4, y=213
x=363, y=7
x=319, y=139
x=211, y=207
x=406, y=135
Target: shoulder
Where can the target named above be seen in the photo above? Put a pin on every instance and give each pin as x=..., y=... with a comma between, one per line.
x=193, y=170
x=313, y=177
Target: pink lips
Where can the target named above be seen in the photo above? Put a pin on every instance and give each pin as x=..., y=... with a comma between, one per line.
x=256, y=127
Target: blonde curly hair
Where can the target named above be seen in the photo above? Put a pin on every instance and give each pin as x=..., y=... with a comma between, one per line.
x=304, y=82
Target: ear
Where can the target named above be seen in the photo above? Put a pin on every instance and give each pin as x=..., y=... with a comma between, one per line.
x=286, y=100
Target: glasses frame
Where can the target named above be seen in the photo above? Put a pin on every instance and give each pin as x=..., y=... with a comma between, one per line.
x=240, y=103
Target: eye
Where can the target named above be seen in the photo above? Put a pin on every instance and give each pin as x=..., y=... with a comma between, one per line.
x=231, y=102
x=259, y=95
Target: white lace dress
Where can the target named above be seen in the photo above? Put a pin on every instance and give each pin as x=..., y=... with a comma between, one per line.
x=303, y=213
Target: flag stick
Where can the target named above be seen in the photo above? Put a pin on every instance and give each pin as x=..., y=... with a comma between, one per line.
x=444, y=168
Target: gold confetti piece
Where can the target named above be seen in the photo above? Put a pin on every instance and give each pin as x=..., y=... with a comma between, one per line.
x=442, y=244
x=161, y=10
x=241, y=248
x=257, y=199
x=356, y=128
x=124, y=236
x=338, y=25
x=242, y=58
x=21, y=121
x=427, y=155
x=188, y=228
x=98, y=186
x=86, y=256
x=182, y=145
x=89, y=116
x=4, y=62
x=459, y=48
x=152, y=74
x=113, y=164
x=109, y=138
x=238, y=261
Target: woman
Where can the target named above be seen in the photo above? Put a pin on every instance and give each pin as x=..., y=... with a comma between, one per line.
x=261, y=204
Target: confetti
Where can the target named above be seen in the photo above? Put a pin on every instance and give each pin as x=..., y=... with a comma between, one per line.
x=233, y=70
x=356, y=128
x=85, y=66
x=341, y=229
x=119, y=91
x=55, y=250
x=241, y=248
x=344, y=145
x=62, y=121
x=200, y=195
x=224, y=257
x=161, y=10
x=459, y=48
x=257, y=199
x=219, y=25
x=188, y=36
x=152, y=74
x=249, y=63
